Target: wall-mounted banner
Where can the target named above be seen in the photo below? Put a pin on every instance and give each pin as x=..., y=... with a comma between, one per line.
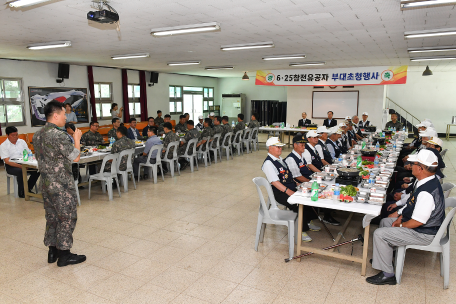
x=334, y=77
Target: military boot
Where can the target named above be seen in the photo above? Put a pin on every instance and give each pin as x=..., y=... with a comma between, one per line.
x=53, y=254
x=68, y=258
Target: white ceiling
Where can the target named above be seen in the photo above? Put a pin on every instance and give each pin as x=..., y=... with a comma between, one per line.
x=346, y=33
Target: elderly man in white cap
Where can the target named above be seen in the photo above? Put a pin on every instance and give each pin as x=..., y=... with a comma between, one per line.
x=332, y=142
x=199, y=126
x=364, y=123
x=323, y=134
x=415, y=224
x=212, y=117
x=356, y=128
x=281, y=179
x=344, y=144
x=416, y=143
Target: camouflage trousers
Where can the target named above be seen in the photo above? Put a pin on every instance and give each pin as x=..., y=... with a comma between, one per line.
x=61, y=216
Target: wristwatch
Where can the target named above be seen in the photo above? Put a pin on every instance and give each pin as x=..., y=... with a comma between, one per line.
x=400, y=225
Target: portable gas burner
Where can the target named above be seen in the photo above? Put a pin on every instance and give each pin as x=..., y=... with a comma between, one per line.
x=348, y=180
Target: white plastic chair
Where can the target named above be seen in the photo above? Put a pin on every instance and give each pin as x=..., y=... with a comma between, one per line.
x=269, y=213
x=216, y=150
x=205, y=153
x=228, y=147
x=443, y=153
x=237, y=142
x=173, y=160
x=106, y=177
x=191, y=157
x=254, y=139
x=153, y=167
x=246, y=139
x=15, y=186
x=441, y=244
x=124, y=174
x=447, y=187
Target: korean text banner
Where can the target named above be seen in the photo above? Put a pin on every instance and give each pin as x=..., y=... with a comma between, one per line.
x=334, y=77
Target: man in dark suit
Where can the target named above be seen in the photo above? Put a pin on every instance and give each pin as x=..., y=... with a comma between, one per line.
x=330, y=122
x=364, y=123
x=304, y=122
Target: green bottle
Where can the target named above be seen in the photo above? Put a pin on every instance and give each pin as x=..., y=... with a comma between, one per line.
x=359, y=161
x=363, y=145
x=314, y=192
x=25, y=155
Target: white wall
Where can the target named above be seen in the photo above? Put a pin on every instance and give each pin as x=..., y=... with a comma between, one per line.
x=252, y=92
x=430, y=97
x=300, y=100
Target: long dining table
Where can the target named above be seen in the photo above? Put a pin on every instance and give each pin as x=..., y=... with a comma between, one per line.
x=282, y=131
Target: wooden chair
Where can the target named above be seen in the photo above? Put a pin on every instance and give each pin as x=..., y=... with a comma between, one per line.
x=141, y=125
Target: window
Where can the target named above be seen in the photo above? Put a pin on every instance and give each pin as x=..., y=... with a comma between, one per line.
x=103, y=100
x=208, y=99
x=175, y=100
x=133, y=100
x=11, y=102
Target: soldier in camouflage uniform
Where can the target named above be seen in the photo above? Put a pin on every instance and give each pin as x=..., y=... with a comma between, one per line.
x=239, y=127
x=206, y=134
x=218, y=129
x=159, y=120
x=92, y=137
x=161, y=130
x=181, y=127
x=226, y=128
x=254, y=122
x=192, y=133
x=115, y=126
x=170, y=137
x=55, y=154
x=123, y=143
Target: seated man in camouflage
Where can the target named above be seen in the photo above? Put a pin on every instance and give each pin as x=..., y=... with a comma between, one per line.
x=181, y=127
x=226, y=128
x=115, y=126
x=170, y=137
x=92, y=137
x=217, y=129
x=254, y=122
x=189, y=135
x=206, y=134
x=121, y=144
x=239, y=127
x=161, y=130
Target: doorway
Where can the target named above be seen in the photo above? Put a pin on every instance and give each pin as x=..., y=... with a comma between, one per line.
x=193, y=105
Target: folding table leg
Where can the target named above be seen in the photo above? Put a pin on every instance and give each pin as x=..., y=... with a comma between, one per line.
x=365, y=249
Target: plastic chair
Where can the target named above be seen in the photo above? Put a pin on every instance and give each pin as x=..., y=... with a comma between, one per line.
x=15, y=185
x=205, y=153
x=269, y=213
x=173, y=160
x=228, y=147
x=191, y=157
x=76, y=185
x=441, y=244
x=153, y=167
x=443, y=153
x=124, y=174
x=246, y=139
x=106, y=177
x=216, y=150
x=254, y=139
x=447, y=187
x=238, y=145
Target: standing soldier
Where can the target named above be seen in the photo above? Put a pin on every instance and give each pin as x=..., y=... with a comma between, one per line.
x=159, y=120
x=191, y=134
x=55, y=154
x=226, y=128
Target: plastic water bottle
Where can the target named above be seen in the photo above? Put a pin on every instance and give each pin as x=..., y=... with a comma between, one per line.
x=340, y=158
x=376, y=161
x=359, y=161
x=111, y=141
x=30, y=155
x=403, y=129
x=377, y=146
x=336, y=193
x=314, y=191
x=394, y=145
x=25, y=155
x=232, y=124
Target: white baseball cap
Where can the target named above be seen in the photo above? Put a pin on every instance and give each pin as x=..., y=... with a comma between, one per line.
x=312, y=134
x=212, y=114
x=322, y=129
x=435, y=141
x=274, y=141
x=424, y=123
x=425, y=157
x=429, y=132
x=365, y=113
x=342, y=124
x=348, y=118
x=200, y=117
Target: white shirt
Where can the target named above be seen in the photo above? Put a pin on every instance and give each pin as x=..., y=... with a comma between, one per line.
x=9, y=150
x=272, y=174
x=293, y=166
x=307, y=155
x=424, y=205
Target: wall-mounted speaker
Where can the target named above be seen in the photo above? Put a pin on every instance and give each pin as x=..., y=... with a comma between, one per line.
x=153, y=77
x=64, y=71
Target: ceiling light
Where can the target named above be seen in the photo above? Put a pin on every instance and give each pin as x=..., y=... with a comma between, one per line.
x=247, y=46
x=427, y=71
x=226, y=67
x=130, y=56
x=430, y=33
x=245, y=77
x=186, y=29
x=49, y=45
x=279, y=57
x=183, y=63
x=431, y=58
x=21, y=3
x=307, y=63
x=413, y=4
x=432, y=49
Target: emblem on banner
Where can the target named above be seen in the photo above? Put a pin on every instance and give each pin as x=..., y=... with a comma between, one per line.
x=270, y=78
x=387, y=75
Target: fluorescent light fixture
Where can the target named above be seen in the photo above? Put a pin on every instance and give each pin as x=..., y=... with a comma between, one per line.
x=414, y=4
x=21, y=3
x=430, y=33
x=247, y=46
x=307, y=63
x=49, y=45
x=186, y=29
x=225, y=67
x=280, y=57
x=130, y=56
x=183, y=63
x=432, y=58
x=432, y=49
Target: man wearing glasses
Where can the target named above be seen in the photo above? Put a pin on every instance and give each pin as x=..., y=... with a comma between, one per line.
x=92, y=137
x=415, y=224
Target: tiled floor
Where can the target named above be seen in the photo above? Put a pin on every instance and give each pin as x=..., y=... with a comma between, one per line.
x=190, y=239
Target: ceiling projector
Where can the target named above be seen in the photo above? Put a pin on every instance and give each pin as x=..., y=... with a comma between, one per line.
x=103, y=16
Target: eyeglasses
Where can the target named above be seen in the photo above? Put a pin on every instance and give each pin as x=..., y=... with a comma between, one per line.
x=96, y=126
